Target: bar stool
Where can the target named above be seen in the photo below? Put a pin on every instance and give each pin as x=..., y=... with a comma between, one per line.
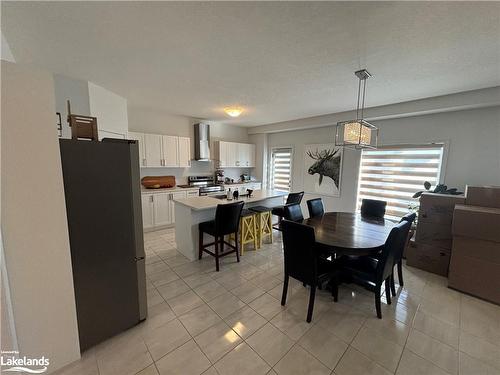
x=247, y=231
x=227, y=219
x=264, y=223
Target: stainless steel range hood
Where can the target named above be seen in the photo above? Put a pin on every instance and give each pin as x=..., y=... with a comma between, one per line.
x=202, y=142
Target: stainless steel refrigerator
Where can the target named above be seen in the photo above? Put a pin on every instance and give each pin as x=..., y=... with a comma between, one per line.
x=103, y=204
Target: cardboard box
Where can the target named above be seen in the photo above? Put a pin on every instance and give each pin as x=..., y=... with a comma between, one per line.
x=428, y=258
x=484, y=196
x=438, y=208
x=475, y=276
x=434, y=234
x=482, y=223
x=488, y=251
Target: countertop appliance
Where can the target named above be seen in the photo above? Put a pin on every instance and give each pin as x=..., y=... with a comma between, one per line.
x=103, y=204
x=245, y=178
x=206, y=185
x=219, y=176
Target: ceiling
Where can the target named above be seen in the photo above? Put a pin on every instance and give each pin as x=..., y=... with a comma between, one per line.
x=279, y=60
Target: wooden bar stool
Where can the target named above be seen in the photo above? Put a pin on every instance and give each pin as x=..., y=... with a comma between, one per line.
x=264, y=223
x=247, y=231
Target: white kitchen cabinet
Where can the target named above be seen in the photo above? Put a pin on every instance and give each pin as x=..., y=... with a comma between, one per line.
x=139, y=137
x=147, y=211
x=251, y=155
x=153, y=150
x=158, y=208
x=156, y=150
x=184, y=152
x=170, y=150
x=232, y=154
x=223, y=154
x=175, y=195
x=161, y=208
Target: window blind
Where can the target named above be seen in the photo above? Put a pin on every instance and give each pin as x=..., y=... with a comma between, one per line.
x=394, y=174
x=281, y=167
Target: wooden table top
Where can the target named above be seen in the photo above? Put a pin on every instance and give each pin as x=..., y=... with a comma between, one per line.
x=350, y=233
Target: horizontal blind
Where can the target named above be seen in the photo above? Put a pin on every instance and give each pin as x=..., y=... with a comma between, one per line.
x=281, y=169
x=395, y=174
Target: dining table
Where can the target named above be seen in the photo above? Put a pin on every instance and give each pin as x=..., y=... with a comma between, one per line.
x=348, y=233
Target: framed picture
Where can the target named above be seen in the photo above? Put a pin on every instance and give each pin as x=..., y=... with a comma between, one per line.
x=323, y=169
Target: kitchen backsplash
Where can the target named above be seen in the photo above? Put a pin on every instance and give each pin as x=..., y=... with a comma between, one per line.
x=197, y=169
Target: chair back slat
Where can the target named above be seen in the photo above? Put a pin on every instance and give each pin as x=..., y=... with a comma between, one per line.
x=294, y=198
x=373, y=208
x=293, y=212
x=300, y=257
x=227, y=217
x=315, y=207
x=393, y=246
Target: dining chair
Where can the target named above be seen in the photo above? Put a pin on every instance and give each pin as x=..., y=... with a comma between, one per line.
x=315, y=207
x=373, y=208
x=227, y=221
x=371, y=272
x=280, y=210
x=303, y=262
x=399, y=256
x=293, y=212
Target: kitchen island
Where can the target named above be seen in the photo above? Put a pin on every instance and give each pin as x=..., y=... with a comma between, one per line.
x=191, y=211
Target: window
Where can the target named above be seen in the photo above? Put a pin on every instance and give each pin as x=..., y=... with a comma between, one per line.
x=281, y=168
x=394, y=174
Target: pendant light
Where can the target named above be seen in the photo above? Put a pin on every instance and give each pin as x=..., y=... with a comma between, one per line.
x=357, y=133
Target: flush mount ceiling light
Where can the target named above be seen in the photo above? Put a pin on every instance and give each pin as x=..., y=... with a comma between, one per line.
x=233, y=111
x=357, y=133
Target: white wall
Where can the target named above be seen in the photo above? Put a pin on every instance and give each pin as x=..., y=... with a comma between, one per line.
x=144, y=120
x=6, y=53
x=473, y=157
x=77, y=92
x=109, y=108
x=33, y=218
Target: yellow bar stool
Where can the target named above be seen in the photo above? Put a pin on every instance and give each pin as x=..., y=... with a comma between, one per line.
x=247, y=230
x=264, y=223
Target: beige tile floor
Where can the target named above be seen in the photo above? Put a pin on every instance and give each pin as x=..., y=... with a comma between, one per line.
x=231, y=322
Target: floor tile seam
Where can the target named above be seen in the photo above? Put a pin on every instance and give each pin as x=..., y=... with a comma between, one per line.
x=431, y=362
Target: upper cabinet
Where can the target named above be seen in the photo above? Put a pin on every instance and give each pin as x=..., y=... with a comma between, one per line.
x=232, y=154
x=170, y=147
x=184, y=152
x=156, y=150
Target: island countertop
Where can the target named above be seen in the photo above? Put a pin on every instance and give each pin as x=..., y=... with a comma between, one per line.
x=207, y=202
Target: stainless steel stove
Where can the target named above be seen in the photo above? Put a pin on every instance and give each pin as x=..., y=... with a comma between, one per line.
x=206, y=185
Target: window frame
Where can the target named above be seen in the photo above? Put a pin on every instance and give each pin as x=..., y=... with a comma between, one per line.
x=271, y=164
x=441, y=171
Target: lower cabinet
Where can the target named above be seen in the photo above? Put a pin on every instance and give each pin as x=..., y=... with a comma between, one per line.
x=158, y=209
x=161, y=209
x=147, y=211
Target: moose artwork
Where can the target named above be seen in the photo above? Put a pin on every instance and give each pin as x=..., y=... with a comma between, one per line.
x=323, y=169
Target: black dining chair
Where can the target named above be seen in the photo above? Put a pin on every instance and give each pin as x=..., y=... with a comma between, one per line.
x=227, y=221
x=304, y=263
x=373, y=208
x=280, y=210
x=399, y=256
x=293, y=212
x=371, y=272
x=315, y=207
